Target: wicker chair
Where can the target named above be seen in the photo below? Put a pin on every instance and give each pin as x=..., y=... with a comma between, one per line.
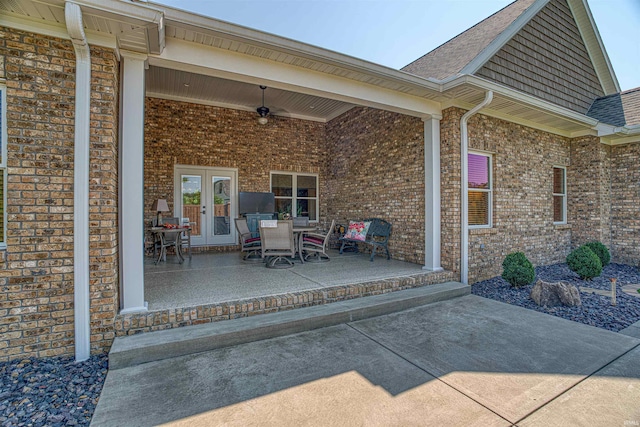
x=277, y=243
x=249, y=244
x=314, y=245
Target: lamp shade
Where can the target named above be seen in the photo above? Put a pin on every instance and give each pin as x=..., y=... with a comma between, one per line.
x=160, y=205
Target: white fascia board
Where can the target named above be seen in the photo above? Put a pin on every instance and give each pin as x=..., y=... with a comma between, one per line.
x=184, y=19
x=124, y=8
x=502, y=39
x=50, y=29
x=524, y=98
x=595, y=46
x=622, y=135
x=193, y=57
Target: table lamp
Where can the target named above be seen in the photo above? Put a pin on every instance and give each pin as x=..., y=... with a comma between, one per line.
x=159, y=205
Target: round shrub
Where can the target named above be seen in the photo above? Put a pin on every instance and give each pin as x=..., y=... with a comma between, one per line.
x=584, y=262
x=518, y=270
x=601, y=251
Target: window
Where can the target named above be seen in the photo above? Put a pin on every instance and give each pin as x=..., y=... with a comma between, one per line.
x=3, y=166
x=479, y=189
x=559, y=195
x=296, y=194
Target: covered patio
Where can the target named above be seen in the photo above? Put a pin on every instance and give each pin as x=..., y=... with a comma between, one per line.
x=220, y=286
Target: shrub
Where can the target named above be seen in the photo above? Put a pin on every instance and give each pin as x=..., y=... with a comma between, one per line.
x=601, y=251
x=584, y=262
x=517, y=270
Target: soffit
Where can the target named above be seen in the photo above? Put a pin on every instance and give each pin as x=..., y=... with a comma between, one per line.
x=138, y=35
x=191, y=87
x=512, y=108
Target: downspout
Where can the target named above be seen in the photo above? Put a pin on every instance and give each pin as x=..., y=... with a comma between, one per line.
x=73, y=17
x=464, y=182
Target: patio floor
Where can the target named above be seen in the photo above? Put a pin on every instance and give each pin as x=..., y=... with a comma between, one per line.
x=214, y=278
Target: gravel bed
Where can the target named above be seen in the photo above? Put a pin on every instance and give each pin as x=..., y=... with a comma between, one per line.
x=52, y=391
x=596, y=310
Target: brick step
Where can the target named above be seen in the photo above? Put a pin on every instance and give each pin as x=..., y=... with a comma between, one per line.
x=151, y=346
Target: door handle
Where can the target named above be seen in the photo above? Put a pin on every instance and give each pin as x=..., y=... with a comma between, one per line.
x=204, y=210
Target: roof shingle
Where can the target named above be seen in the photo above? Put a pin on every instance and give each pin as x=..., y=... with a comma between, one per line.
x=619, y=109
x=451, y=57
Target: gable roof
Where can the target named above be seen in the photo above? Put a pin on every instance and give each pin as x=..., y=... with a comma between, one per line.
x=469, y=51
x=451, y=57
x=619, y=109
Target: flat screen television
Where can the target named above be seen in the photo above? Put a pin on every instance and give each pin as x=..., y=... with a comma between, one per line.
x=250, y=203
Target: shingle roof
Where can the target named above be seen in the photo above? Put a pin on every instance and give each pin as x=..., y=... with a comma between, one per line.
x=619, y=109
x=451, y=57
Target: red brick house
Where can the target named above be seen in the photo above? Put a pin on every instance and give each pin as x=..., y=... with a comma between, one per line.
x=512, y=136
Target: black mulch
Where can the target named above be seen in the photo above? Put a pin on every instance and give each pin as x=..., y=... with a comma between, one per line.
x=596, y=310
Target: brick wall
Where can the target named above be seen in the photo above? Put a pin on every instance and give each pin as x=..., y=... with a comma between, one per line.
x=589, y=190
x=194, y=134
x=36, y=298
x=625, y=210
x=523, y=160
x=375, y=168
x=103, y=198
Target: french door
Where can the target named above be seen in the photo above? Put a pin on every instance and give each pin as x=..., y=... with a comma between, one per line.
x=208, y=198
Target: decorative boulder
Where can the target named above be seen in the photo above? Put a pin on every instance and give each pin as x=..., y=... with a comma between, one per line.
x=555, y=294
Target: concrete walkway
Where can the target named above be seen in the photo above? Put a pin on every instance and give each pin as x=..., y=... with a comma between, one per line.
x=466, y=361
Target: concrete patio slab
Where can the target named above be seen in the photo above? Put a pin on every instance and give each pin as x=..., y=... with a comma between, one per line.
x=467, y=361
x=510, y=359
x=611, y=397
x=332, y=376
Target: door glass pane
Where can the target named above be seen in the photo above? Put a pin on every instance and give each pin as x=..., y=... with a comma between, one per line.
x=282, y=185
x=307, y=186
x=221, y=187
x=191, y=195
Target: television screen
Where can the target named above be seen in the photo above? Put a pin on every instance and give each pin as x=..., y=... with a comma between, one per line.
x=256, y=202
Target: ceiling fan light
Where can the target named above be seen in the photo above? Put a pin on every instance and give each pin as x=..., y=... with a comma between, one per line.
x=262, y=120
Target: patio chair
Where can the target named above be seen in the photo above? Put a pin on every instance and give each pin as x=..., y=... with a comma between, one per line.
x=170, y=240
x=277, y=243
x=314, y=245
x=249, y=244
x=185, y=238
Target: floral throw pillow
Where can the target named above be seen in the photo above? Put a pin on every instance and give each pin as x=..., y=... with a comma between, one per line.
x=357, y=230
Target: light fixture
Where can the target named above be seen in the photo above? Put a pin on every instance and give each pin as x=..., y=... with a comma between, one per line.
x=263, y=111
x=159, y=205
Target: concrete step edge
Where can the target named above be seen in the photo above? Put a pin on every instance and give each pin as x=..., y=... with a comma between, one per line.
x=152, y=346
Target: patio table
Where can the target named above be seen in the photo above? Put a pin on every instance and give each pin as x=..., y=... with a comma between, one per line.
x=158, y=231
x=298, y=233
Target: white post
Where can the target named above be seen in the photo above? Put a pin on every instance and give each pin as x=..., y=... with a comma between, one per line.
x=131, y=183
x=432, y=193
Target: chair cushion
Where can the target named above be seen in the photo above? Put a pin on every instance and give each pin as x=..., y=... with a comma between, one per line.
x=252, y=240
x=315, y=240
x=357, y=230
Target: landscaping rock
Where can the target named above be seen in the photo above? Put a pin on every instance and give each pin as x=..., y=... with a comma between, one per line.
x=555, y=294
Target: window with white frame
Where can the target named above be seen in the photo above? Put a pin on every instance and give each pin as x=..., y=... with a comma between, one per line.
x=296, y=194
x=480, y=189
x=559, y=195
x=3, y=166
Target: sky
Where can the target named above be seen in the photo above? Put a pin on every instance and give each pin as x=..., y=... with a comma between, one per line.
x=396, y=32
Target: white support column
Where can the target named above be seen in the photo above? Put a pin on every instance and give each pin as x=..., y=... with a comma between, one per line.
x=131, y=183
x=432, y=193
